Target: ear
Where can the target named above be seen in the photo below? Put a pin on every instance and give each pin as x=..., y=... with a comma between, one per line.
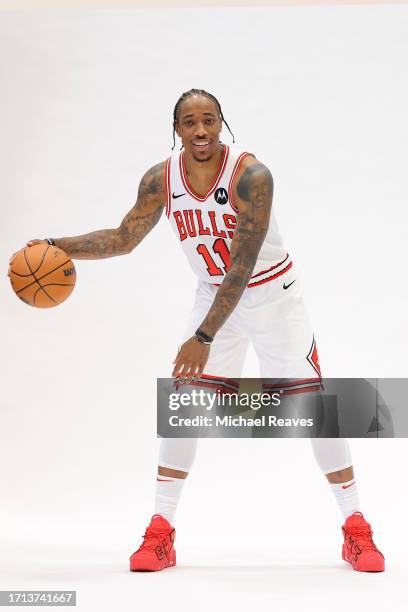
x=176, y=126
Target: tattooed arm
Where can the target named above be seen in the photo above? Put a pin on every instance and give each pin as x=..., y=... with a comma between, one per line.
x=254, y=198
x=254, y=190
x=134, y=227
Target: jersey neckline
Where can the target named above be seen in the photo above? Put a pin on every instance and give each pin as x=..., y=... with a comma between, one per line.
x=218, y=175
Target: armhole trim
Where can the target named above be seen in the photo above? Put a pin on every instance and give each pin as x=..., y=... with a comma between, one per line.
x=233, y=177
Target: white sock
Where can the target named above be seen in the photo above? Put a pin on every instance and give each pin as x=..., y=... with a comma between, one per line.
x=168, y=491
x=346, y=495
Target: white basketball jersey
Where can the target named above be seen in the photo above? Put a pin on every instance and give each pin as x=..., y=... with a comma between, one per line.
x=205, y=225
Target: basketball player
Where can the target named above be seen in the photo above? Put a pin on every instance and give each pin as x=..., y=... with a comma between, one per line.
x=218, y=200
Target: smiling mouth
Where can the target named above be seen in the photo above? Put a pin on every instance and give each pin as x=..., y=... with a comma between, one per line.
x=201, y=143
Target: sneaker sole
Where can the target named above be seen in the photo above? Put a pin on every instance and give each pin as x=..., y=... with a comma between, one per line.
x=158, y=569
x=171, y=563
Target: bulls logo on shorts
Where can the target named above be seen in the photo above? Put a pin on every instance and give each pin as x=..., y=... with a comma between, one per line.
x=221, y=196
x=313, y=358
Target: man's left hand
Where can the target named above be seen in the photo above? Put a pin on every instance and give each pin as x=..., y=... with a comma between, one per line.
x=191, y=359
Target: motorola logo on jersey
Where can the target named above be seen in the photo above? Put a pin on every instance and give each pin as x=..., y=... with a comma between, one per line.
x=221, y=196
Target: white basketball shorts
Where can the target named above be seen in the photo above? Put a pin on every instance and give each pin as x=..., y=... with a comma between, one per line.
x=273, y=318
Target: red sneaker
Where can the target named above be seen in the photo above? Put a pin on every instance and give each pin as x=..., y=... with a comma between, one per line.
x=359, y=548
x=157, y=551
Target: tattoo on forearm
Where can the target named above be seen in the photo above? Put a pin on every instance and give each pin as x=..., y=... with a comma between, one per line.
x=255, y=190
x=134, y=227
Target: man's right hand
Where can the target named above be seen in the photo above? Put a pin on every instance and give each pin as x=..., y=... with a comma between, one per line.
x=29, y=243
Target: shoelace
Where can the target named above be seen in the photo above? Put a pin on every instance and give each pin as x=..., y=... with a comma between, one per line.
x=150, y=538
x=363, y=537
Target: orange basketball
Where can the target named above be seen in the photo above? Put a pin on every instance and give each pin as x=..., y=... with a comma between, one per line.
x=42, y=275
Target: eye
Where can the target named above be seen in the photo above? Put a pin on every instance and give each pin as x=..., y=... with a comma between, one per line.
x=188, y=123
x=209, y=121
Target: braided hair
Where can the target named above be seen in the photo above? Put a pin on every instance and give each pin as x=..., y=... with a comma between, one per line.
x=188, y=94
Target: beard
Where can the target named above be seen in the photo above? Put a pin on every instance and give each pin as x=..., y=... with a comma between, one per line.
x=202, y=159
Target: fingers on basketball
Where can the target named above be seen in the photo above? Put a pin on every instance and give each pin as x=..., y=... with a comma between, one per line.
x=29, y=243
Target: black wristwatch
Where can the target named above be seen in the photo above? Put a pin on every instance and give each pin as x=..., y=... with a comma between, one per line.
x=202, y=337
x=50, y=241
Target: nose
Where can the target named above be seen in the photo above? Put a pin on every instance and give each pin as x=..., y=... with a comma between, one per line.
x=201, y=130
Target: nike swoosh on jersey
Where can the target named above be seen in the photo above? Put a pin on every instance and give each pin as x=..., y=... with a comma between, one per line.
x=347, y=486
x=287, y=286
x=180, y=195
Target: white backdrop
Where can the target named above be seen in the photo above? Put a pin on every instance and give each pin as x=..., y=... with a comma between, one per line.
x=320, y=95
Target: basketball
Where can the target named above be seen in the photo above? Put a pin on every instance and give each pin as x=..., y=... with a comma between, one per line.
x=42, y=275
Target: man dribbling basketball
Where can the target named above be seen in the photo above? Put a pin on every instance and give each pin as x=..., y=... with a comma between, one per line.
x=218, y=200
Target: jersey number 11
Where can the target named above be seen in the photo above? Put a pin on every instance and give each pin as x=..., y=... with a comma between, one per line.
x=219, y=247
